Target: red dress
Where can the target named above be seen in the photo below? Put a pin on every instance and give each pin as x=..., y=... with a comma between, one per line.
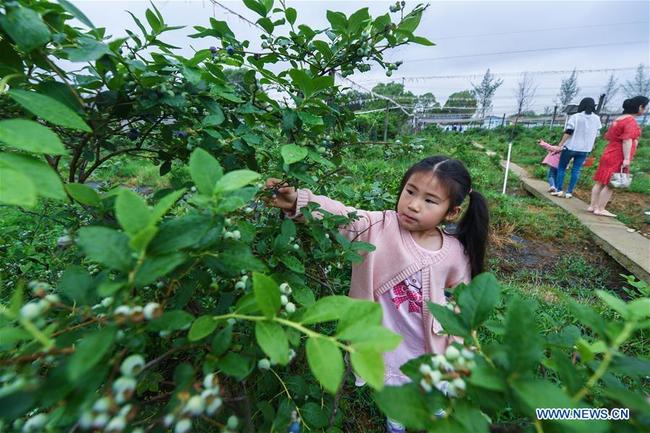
x=612, y=157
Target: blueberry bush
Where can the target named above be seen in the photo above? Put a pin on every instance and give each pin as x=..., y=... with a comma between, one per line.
x=198, y=308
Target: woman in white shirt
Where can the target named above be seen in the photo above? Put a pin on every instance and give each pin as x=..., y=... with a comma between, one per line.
x=578, y=140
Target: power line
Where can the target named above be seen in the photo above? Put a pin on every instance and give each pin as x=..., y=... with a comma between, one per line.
x=499, y=53
x=504, y=74
x=375, y=94
x=539, y=30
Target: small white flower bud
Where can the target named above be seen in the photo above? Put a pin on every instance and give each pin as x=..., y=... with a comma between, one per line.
x=425, y=385
x=232, y=422
x=236, y=235
x=117, y=424
x=425, y=369
x=183, y=426
x=193, y=189
x=296, y=247
x=102, y=405
x=132, y=365
x=123, y=310
x=53, y=298
x=228, y=221
x=437, y=360
x=100, y=420
x=435, y=377
x=195, y=405
x=168, y=420
x=264, y=364
x=284, y=300
x=452, y=353
x=126, y=409
x=240, y=285
x=30, y=311
x=458, y=383
x=327, y=235
x=284, y=287
x=152, y=310
x=467, y=354
x=290, y=308
x=123, y=389
x=214, y=406
x=227, y=235
x=211, y=381
x=107, y=302
x=86, y=420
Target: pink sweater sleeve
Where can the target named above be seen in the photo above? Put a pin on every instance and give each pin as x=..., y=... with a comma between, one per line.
x=549, y=147
x=359, y=230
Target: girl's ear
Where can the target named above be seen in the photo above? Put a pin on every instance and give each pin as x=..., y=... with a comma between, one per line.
x=453, y=213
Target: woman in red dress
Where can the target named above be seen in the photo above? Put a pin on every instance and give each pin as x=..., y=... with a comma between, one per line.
x=623, y=137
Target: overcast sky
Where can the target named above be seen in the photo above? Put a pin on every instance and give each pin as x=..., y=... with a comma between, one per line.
x=508, y=37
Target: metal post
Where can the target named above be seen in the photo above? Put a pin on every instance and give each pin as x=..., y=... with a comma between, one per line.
x=505, y=179
x=386, y=123
x=554, y=114
x=503, y=119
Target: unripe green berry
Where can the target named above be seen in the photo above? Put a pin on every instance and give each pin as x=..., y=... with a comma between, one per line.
x=452, y=353
x=183, y=426
x=132, y=365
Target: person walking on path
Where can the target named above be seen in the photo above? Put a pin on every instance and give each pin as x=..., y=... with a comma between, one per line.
x=578, y=140
x=414, y=260
x=623, y=138
x=552, y=159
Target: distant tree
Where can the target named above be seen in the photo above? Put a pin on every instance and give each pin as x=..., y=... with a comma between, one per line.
x=640, y=85
x=525, y=93
x=548, y=111
x=426, y=103
x=461, y=103
x=610, y=90
x=568, y=89
x=484, y=92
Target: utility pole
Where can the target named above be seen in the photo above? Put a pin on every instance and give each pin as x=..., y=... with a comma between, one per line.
x=386, y=123
x=601, y=99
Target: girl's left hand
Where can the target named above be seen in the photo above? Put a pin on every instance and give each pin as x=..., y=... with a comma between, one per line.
x=626, y=163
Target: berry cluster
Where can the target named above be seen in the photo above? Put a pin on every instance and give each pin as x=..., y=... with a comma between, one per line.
x=289, y=307
x=207, y=402
x=397, y=6
x=446, y=371
x=241, y=284
x=112, y=413
x=34, y=309
x=136, y=314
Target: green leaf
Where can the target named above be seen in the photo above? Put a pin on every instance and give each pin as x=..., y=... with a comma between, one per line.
x=164, y=204
x=30, y=136
x=153, y=21
x=614, y=303
x=522, y=338
x=293, y=263
x=310, y=119
x=221, y=341
x=326, y=309
x=302, y=81
x=376, y=338
x=47, y=182
x=131, y=211
x=421, y=41
x=273, y=341
x=26, y=28
x=49, y=109
x=291, y=15
x=293, y=153
x=76, y=12
x=478, y=299
x=450, y=321
x=77, y=285
x=235, y=365
x=406, y=405
x=16, y=189
x=337, y=20
x=205, y=171
x=486, y=376
x=90, y=351
x=267, y=294
x=411, y=22
x=178, y=233
x=158, y=266
x=370, y=366
x=83, y=194
x=326, y=362
x=202, y=327
x=87, y=50
x=255, y=6
x=171, y=321
x=358, y=20
x=236, y=179
x=141, y=240
x=106, y=246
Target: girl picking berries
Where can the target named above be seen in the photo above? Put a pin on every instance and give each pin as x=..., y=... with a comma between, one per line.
x=415, y=261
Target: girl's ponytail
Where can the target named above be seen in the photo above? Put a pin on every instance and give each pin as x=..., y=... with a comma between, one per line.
x=472, y=231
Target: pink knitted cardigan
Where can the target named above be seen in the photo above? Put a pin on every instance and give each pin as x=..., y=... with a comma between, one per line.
x=396, y=257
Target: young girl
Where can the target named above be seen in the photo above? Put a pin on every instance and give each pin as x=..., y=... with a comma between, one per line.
x=414, y=260
x=552, y=159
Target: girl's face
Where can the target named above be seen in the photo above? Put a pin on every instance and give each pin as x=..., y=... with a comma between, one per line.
x=424, y=203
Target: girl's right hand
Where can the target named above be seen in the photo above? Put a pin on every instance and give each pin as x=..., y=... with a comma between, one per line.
x=284, y=197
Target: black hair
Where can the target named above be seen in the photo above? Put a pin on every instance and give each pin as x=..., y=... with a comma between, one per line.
x=632, y=105
x=472, y=229
x=588, y=105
